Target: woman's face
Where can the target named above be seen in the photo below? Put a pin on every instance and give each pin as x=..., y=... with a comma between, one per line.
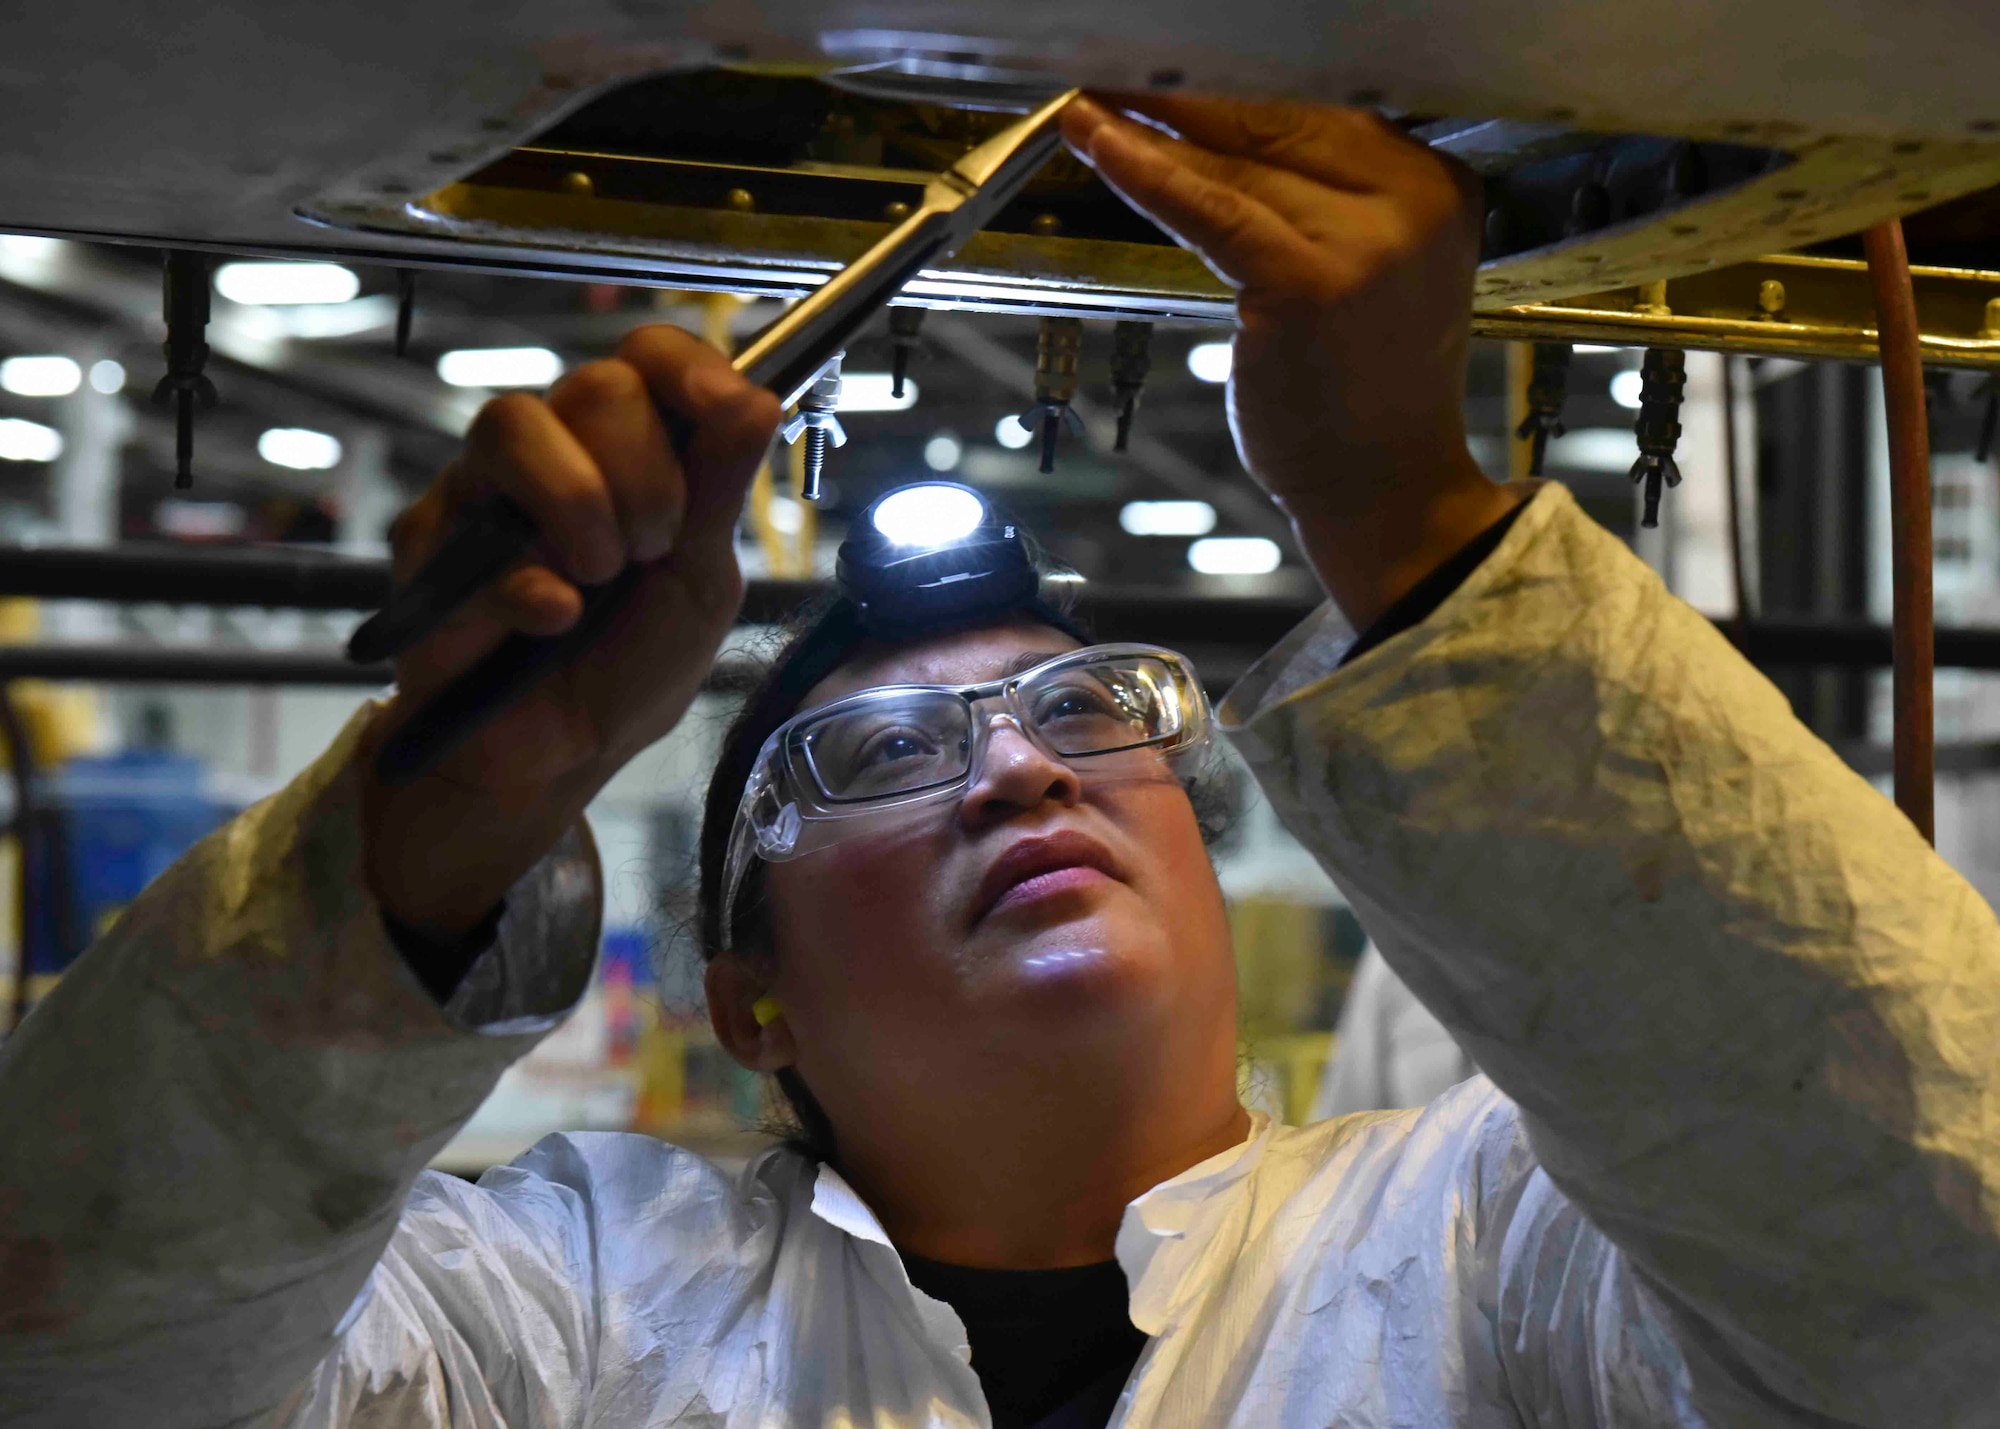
x=1037, y=909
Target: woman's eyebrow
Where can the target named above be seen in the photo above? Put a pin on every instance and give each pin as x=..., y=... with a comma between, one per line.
x=1026, y=661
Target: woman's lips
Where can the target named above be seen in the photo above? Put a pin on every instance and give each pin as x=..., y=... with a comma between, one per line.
x=1052, y=884
x=1043, y=866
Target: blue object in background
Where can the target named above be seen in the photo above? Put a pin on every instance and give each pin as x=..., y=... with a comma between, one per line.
x=119, y=820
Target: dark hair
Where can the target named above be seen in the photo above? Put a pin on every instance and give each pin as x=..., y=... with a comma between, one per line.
x=821, y=636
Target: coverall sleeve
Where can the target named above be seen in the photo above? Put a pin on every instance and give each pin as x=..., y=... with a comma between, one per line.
x=1749, y=1017
x=209, y=1129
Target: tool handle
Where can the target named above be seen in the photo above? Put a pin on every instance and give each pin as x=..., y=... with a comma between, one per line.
x=492, y=535
x=514, y=667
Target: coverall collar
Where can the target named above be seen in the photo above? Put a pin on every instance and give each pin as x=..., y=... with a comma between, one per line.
x=1162, y=1239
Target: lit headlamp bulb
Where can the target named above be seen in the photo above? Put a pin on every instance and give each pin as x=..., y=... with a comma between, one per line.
x=929, y=514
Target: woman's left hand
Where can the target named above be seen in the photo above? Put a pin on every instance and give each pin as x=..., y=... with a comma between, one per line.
x=1352, y=250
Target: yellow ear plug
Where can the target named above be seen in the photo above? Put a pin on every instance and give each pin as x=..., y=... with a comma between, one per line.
x=766, y=1010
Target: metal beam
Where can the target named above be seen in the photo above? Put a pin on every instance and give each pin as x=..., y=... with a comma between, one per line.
x=1786, y=305
x=170, y=575
x=310, y=580
x=128, y=663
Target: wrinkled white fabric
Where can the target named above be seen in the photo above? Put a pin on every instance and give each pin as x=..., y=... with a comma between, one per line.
x=1388, y=1050
x=1744, y=1173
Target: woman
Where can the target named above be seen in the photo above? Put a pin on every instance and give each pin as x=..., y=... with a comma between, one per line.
x=1736, y=1163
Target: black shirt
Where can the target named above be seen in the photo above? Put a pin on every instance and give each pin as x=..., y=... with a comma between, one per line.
x=1052, y=1348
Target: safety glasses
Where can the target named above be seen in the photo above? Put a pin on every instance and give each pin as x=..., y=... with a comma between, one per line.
x=868, y=762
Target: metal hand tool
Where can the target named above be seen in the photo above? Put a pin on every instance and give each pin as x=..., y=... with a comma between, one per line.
x=785, y=358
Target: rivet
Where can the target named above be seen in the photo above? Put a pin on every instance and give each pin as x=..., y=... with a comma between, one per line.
x=1046, y=224
x=741, y=200
x=1771, y=297
x=895, y=211
x=1992, y=329
x=577, y=184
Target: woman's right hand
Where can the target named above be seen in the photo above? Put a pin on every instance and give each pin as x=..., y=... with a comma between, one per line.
x=593, y=465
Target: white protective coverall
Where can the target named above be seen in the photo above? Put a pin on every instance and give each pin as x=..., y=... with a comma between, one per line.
x=1740, y=1166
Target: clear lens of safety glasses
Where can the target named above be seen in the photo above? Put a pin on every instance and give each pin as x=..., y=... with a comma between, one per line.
x=861, y=763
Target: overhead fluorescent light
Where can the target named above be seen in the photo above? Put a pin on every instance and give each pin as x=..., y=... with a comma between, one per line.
x=107, y=375
x=1606, y=449
x=22, y=440
x=1009, y=432
x=273, y=284
x=300, y=448
x=30, y=260
x=1235, y=556
x=1167, y=518
x=324, y=320
x=200, y=520
x=1212, y=361
x=40, y=376
x=869, y=392
x=26, y=247
x=500, y=367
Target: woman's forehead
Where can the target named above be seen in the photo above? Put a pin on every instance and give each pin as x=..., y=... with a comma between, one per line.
x=957, y=657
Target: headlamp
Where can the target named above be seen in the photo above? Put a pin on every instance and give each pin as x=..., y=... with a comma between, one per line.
x=933, y=554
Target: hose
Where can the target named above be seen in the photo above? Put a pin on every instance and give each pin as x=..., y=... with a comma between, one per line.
x=1912, y=628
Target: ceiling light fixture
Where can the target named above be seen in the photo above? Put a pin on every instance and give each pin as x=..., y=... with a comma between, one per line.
x=872, y=392
x=1009, y=432
x=1167, y=518
x=282, y=284
x=300, y=448
x=1212, y=361
x=40, y=376
x=28, y=441
x=1235, y=556
x=500, y=367
x=943, y=452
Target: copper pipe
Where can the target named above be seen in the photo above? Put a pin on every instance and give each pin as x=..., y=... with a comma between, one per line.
x=1737, y=557
x=1910, y=624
